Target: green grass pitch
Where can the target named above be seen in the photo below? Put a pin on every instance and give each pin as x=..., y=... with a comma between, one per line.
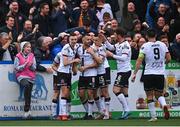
x=129, y=122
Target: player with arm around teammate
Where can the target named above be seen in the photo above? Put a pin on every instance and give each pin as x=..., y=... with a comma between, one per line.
x=64, y=74
x=101, y=97
x=87, y=79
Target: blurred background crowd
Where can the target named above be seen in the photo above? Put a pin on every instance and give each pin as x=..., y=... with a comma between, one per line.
x=46, y=24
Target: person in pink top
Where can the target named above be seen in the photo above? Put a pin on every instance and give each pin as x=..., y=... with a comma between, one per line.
x=25, y=66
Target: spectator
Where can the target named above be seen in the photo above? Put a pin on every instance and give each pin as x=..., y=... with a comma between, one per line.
x=175, y=48
x=111, y=27
x=114, y=6
x=27, y=6
x=43, y=19
x=25, y=66
x=137, y=28
x=71, y=4
x=162, y=11
x=102, y=8
x=9, y=28
x=149, y=19
x=161, y=27
x=60, y=18
x=164, y=38
x=141, y=6
x=128, y=17
x=19, y=18
x=42, y=52
x=106, y=21
x=58, y=44
x=7, y=50
x=29, y=33
x=84, y=13
x=83, y=30
x=175, y=24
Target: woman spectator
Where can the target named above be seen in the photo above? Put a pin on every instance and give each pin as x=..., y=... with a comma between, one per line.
x=25, y=66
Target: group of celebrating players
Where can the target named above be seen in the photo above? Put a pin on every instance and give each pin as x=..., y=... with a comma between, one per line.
x=90, y=59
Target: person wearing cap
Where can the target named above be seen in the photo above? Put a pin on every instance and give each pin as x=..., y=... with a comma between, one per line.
x=25, y=66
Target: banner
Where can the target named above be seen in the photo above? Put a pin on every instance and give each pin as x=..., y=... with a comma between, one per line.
x=12, y=98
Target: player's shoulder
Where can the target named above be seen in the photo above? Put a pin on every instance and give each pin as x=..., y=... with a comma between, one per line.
x=101, y=49
x=125, y=45
x=161, y=43
x=147, y=44
x=66, y=46
x=58, y=54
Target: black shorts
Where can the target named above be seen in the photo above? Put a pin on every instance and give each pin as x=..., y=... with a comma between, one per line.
x=56, y=86
x=64, y=79
x=122, y=79
x=108, y=75
x=154, y=82
x=87, y=82
x=101, y=81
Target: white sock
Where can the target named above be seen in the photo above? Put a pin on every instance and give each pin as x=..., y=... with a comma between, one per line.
x=90, y=107
x=107, y=104
x=123, y=101
x=98, y=104
x=54, y=109
x=127, y=100
x=85, y=104
x=68, y=108
x=152, y=109
x=162, y=101
x=103, y=107
x=63, y=107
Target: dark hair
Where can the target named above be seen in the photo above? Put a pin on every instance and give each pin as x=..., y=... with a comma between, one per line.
x=151, y=33
x=121, y=32
x=85, y=0
x=106, y=14
x=42, y=5
x=163, y=36
x=55, y=4
x=9, y=16
x=72, y=34
x=40, y=41
x=14, y=1
x=86, y=22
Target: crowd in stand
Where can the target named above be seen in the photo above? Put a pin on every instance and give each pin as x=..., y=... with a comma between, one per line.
x=46, y=24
